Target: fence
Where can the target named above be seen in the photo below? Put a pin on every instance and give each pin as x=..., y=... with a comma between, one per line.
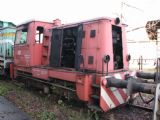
x=143, y=64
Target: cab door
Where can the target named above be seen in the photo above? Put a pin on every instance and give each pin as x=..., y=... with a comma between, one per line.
x=21, y=48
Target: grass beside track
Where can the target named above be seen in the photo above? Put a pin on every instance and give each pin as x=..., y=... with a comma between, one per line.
x=50, y=107
x=40, y=106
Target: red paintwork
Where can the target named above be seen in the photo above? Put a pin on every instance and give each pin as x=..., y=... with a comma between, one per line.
x=40, y=73
x=83, y=87
x=101, y=45
x=11, y=71
x=83, y=81
x=30, y=54
x=34, y=58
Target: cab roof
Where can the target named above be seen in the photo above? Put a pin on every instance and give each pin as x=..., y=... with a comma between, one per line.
x=30, y=21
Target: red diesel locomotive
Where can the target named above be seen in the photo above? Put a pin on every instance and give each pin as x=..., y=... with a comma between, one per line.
x=74, y=59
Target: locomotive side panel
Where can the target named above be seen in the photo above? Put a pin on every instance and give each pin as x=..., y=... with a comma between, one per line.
x=89, y=46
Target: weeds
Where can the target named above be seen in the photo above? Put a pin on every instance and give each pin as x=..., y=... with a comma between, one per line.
x=61, y=103
x=42, y=107
x=46, y=115
x=93, y=115
x=4, y=89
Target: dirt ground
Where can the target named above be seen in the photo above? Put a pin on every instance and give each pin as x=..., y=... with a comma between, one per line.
x=40, y=106
x=50, y=107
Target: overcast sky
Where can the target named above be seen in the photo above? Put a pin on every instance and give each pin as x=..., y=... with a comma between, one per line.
x=19, y=11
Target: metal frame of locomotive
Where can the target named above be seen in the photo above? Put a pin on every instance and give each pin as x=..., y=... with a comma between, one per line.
x=87, y=59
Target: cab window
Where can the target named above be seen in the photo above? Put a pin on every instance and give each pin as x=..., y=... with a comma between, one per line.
x=39, y=35
x=21, y=36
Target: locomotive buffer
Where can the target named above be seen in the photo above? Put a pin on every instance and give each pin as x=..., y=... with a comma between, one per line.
x=133, y=86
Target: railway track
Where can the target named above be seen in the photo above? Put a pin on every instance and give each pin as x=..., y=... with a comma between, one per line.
x=128, y=112
x=123, y=112
x=137, y=110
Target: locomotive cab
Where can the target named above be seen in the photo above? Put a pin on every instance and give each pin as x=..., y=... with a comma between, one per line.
x=83, y=46
x=28, y=43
